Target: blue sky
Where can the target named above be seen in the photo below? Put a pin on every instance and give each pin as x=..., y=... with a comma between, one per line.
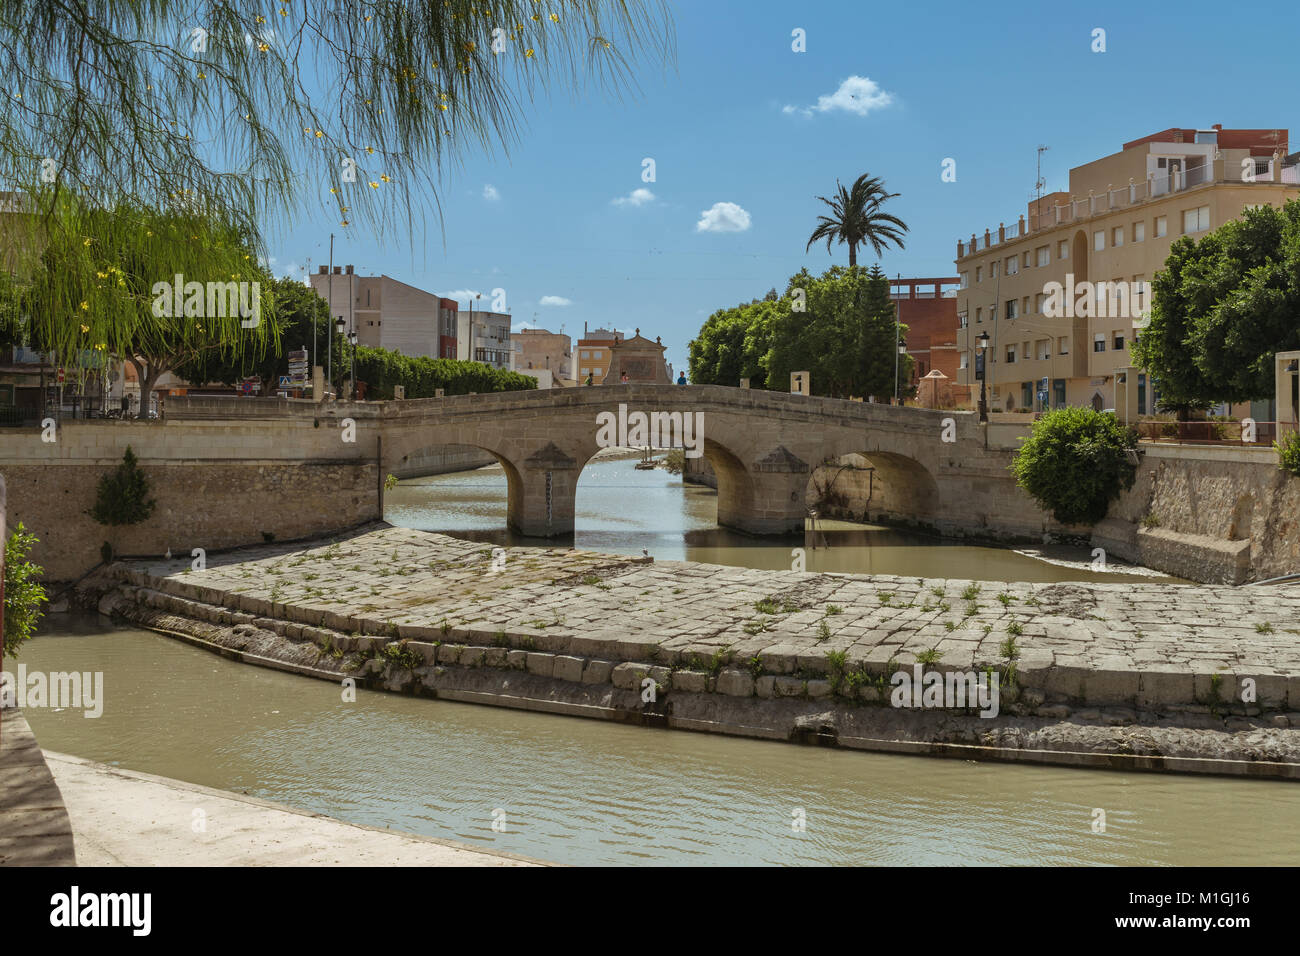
x=742, y=119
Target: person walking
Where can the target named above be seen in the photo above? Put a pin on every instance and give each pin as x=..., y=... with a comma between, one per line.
x=588, y=381
x=681, y=378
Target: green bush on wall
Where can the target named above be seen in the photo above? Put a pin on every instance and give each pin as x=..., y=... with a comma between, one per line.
x=1288, y=453
x=1075, y=463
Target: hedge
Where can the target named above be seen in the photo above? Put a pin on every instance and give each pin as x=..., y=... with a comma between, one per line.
x=381, y=369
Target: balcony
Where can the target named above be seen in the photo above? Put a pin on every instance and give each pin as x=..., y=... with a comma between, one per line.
x=1110, y=200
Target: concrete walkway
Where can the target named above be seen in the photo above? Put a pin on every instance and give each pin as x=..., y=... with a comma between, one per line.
x=125, y=818
x=34, y=827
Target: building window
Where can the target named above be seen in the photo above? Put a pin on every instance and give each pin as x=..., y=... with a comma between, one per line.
x=993, y=269
x=1117, y=236
x=1063, y=346
x=1024, y=351
x=979, y=274
x=1063, y=249
x=1011, y=308
x=979, y=313
x=1162, y=226
x=1042, y=252
x=1044, y=348
x=964, y=361
x=1139, y=291
x=1139, y=231
x=596, y=353
x=1013, y=266
x=1058, y=393
x=1118, y=343
x=1011, y=355
x=961, y=320
x=1038, y=302
x=585, y=354
x=584, y=372
x=965, y=280
x=1024, y=306
x=1196, y=220
x=1099, y=342
x=1099, y=240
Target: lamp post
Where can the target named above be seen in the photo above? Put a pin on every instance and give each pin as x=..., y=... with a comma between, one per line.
x=982, y=343
x=902, y=350
x=352, y=366
x=339, y=326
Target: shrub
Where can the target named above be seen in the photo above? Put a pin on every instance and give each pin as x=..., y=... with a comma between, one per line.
x=23, y=595
x=1288, y=453
x=123, y=495
x=381, y=369
x=1075, y=463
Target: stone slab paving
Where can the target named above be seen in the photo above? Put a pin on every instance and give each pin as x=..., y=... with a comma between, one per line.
x=428, y=587
x=34, y=825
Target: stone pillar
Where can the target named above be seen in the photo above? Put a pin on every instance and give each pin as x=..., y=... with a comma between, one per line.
x=543, y=493
x=769, y=498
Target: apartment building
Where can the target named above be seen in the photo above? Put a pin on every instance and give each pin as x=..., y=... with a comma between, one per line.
x=539, y=349
x=385, y=313
x=485, y=337
x=1057, y=298
x=594, y=354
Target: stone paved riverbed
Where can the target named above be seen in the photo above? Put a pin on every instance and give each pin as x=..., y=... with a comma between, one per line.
x=1145, y=644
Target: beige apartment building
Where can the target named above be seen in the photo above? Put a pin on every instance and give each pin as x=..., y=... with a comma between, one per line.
x=385, y=313
x=1059, y=295
x=540, y=349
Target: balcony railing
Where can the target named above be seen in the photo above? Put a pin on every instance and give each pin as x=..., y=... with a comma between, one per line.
x=1122, y=197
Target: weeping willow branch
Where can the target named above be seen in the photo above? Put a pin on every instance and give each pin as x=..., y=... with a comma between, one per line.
x=256, y=110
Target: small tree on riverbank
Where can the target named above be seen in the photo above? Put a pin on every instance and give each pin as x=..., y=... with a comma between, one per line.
x=23, y=594
x=1075, y=463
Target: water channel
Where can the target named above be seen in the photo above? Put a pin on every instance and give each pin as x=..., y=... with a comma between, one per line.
x=588, y=792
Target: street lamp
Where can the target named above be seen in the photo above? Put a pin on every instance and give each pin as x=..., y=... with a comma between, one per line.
x=902, y=350
x=339, y=326
x=352, y=366
x=982, y=343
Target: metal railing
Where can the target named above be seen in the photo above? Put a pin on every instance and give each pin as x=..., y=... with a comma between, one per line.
x=1213, y=432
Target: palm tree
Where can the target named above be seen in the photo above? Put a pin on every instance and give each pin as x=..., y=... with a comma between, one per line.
x=856, y=218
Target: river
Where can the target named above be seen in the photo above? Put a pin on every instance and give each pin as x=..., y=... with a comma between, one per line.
x=590, y=792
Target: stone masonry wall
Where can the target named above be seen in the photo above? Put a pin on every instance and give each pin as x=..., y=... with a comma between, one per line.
x=210, y=505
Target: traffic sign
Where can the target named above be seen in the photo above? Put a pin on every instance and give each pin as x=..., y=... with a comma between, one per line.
x=285, y=380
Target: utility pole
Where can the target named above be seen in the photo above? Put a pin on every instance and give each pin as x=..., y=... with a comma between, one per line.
x=329, y=339
x=1038, y=181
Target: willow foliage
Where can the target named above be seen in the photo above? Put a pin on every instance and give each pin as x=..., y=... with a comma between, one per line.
x=252, y=108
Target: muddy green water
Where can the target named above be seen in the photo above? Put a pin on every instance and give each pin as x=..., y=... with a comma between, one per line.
x=589, y=792
x=625, y=511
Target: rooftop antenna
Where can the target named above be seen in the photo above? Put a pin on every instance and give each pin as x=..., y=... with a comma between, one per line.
x=1039, y=183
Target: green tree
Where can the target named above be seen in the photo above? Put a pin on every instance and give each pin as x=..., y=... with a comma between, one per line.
x=251, y=108
x=731, y=345
x=23, y=594
x=845, y=335
x=299, y=314
x=122, y=496
x=857, y=218
x=99, y=287
x=1075, y=462
x=1222, y=308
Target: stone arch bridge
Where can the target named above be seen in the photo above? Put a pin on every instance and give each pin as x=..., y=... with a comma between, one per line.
x=933, y=467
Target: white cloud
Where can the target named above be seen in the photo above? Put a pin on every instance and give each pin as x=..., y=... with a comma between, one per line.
x=462, y=295
x=555, y=300
x=637, y=197
x=857, y=95
x=723, y=217
x=490, y=193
